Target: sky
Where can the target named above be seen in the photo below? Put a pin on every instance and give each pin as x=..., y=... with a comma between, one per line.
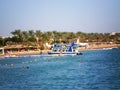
x=88, y=16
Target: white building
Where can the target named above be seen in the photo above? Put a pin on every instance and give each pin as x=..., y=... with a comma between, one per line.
x=112, y=33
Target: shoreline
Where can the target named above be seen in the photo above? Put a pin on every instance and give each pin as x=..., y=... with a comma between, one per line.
x=91, y=47
x=17, y=54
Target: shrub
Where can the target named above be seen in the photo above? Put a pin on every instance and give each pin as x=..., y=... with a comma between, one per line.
x=42, y=47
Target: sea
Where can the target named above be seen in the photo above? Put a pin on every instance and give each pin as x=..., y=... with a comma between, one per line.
x=94, y=70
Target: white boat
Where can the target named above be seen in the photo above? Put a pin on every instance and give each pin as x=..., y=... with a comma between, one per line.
x=65, y=49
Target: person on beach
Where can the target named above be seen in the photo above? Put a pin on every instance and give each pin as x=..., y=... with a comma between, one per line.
x=40, y=52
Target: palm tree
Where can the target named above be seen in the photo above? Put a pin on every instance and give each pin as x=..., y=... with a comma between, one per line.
x=31, y=36
x=25, y=36
x=38, y=34
x=18, y=35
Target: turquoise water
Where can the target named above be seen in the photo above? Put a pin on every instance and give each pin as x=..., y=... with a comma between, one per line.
x=94, y=70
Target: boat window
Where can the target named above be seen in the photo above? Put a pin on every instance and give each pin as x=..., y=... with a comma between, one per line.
x=74, y=47
x=73, y=50
x=55, y=50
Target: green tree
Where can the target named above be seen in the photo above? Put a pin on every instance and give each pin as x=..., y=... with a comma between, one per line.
x=31, y=36
x=42, y=47
x=18, y=35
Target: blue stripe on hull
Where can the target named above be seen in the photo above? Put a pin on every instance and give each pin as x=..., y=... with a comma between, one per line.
x=64, y=53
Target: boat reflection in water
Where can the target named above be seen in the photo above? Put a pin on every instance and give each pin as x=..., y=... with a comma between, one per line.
x=65, y=49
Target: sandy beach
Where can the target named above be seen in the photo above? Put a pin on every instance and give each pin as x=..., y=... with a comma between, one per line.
x=90, y=47
x=24, y=53
x=103, y=46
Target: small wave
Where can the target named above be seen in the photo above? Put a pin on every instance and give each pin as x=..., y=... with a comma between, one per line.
x=107, y=48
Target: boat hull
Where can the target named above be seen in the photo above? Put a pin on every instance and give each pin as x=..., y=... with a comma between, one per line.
x=64, y=53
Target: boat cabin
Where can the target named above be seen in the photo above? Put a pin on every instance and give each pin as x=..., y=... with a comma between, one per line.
x=65, y=48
